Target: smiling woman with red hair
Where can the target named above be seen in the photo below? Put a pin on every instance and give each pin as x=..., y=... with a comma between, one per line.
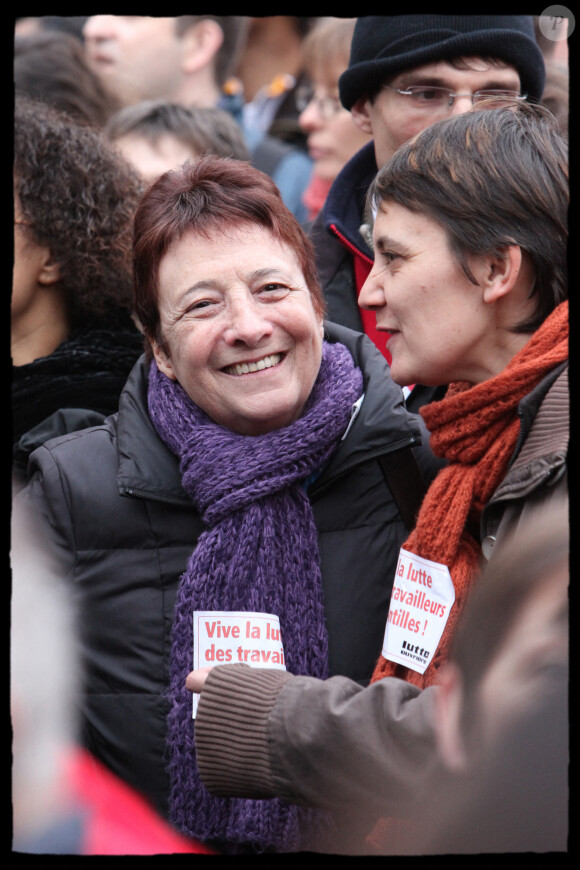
x=243, y=473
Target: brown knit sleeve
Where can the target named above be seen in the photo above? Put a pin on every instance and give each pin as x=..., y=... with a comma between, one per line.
x=231, y=730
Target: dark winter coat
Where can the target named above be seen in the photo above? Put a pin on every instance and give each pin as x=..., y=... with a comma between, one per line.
x=125, y=528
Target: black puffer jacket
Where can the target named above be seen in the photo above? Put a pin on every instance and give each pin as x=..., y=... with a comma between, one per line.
x=124, y=529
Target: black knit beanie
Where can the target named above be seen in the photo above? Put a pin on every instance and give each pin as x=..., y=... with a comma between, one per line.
x=384, y=45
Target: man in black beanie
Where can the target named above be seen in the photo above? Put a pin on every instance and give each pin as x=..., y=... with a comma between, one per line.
x=404, y=73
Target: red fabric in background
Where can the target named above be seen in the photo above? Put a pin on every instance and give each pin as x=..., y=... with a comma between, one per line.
x=118, y=820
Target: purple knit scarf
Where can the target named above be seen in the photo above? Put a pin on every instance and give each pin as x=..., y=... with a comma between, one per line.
x=259, y=553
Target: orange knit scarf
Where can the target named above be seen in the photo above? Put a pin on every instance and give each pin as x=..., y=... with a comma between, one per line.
x=476, y=429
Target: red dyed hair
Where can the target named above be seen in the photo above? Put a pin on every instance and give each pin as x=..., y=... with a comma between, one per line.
x=209, y=196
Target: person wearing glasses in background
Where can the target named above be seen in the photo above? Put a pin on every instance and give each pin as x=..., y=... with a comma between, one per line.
x=332, y=136
x=405, y=72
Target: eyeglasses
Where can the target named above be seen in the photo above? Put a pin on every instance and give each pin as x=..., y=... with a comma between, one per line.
x=437, y=99
x=327, y=107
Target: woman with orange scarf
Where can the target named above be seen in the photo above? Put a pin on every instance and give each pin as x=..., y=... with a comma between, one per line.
x=469, y=280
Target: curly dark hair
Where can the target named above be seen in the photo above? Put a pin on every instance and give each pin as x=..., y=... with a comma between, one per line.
x=78, y=197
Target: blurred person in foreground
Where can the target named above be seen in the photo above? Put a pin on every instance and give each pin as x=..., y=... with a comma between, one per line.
x=470, y=280
x=64, y=801
x=332, y=136
x=242, y=474
x=502, y=712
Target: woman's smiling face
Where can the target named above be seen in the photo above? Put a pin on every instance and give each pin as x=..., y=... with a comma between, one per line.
x=240, y=330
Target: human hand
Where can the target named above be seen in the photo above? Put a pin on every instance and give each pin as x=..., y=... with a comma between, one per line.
x=195, y=680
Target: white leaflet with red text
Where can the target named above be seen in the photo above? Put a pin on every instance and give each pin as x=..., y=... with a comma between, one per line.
x=423, y=595
x=224, y=636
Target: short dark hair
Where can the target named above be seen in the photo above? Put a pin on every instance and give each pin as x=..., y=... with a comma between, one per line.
x=491, y=177
x=210, y=195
